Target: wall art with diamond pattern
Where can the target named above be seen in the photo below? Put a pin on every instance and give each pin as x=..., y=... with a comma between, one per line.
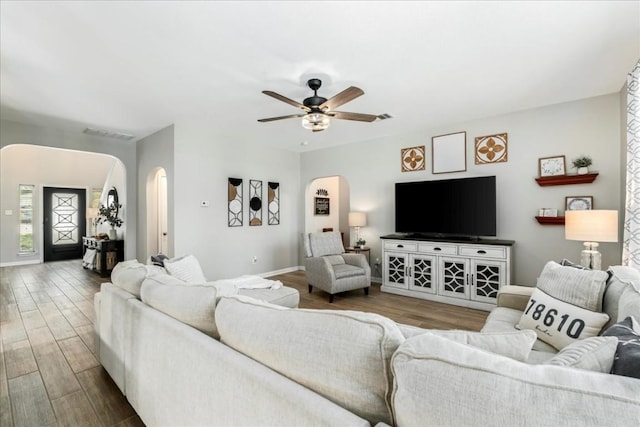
x=412, y=159
x=274, y=203
x=255, y=202
x=491, y=149
x=235, y=202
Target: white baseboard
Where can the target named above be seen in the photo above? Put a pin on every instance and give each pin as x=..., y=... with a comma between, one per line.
x=281, y=271
x=15, y=263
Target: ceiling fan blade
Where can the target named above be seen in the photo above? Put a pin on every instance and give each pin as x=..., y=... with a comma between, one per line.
x=352, y=116
x=285, y=99
x=343, y=97
x=290, y=116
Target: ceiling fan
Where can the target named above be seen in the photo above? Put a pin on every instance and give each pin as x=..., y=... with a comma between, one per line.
x=318, y=110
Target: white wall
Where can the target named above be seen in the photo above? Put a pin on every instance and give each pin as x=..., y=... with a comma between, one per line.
x=590, y=126
x=155, y=151
x=204, y=161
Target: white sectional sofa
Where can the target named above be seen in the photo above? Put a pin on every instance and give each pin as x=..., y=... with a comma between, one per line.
x=269, y=364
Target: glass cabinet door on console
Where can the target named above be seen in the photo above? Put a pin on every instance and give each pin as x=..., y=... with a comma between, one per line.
x=454, y=277
x=487, y=277
x=422, y=273
x=395, y=272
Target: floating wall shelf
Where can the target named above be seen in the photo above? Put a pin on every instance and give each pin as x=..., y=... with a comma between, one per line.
x=550, y=220
x=588, y=178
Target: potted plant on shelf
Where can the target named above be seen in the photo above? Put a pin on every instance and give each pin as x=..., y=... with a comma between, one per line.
x=582, y=163
x=109, y=214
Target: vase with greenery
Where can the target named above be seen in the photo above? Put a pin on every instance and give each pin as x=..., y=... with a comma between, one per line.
x=360, y=243
x=582, y=164
x=109, y=215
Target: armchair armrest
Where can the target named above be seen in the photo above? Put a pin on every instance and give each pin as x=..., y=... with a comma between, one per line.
x=514, y=296
x=319, y=270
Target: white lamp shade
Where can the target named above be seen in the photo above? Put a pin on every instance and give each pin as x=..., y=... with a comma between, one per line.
x=591, y=225
x=357, y=219
x=92, y=213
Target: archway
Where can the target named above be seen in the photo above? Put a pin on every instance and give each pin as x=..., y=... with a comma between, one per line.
x=327, y=206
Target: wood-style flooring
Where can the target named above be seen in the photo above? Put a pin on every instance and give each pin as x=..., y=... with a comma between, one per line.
x=49, y=372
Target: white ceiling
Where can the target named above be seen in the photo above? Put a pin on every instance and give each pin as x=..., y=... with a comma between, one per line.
x=137, y=67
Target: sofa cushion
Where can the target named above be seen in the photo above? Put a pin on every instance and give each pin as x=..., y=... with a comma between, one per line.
x=593, y=354
x=128, y=275
x=504, y=319
x=558, y=323
x=583, y=288
x=186, y=268
x=627, y=358
x=192, y=304
x=514, y=344
x=342, y=355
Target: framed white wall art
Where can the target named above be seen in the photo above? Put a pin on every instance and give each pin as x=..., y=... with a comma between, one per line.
x=449, y=153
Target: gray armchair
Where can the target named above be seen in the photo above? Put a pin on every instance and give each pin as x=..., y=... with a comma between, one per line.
x=329, y=268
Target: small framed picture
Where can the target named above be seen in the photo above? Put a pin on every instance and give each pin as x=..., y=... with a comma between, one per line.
x=548, y=212
x=579, y=203
x=552, y=166
x=321, y=206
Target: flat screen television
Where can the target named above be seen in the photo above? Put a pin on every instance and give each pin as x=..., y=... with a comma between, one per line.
x=463, y=207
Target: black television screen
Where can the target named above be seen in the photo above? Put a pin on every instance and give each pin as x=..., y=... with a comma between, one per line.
x=449, y=207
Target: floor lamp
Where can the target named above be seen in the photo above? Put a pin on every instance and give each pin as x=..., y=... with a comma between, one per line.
x=357, y=220
x=591, y=226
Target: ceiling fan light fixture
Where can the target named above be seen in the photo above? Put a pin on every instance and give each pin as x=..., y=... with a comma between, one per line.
x=315, y=121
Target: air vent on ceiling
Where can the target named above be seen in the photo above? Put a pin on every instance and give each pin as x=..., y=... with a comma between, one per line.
x=384, y=116
x=108, y=134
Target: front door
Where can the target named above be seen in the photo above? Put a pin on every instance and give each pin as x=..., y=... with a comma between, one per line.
x=64, y=223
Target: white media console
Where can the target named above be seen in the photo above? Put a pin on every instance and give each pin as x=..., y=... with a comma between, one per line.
x=460, y=272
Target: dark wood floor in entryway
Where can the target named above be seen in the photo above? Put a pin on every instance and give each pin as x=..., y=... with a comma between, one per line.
x=49, y=372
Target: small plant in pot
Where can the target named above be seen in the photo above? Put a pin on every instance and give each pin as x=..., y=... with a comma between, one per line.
x=109, y=215
x=360, y=243
x=582, y=163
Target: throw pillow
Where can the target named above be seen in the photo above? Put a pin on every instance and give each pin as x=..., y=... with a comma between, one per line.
x=558, y=323
x=185, y=268
x=627, y=358
x=158, y=259
x=584, y=288
x=593, y=354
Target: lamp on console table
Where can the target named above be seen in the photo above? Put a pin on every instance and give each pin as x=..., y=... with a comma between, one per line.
x=357, y=220
x=92, y=214
x=591, y=226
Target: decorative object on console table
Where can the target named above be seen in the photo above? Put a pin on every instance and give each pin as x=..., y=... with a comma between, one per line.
x=552, y=166
x=109, y=214
x=255, y=202
x=591, y=226
x=357, y=220
x=413, y=159
x=582, y=164
x=234, y=200
x=273, y=189
x=491, y=149
x=449, y=153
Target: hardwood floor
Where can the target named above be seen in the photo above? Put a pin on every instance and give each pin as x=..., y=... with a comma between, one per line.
x=49, y=372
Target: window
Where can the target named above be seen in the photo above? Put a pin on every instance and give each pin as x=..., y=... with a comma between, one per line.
x=26, y=218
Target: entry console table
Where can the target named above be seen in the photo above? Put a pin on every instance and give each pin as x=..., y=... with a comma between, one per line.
x=460, y=272
x=108, y=253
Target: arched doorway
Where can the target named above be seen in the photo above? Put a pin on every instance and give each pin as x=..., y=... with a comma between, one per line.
x=327, y=206
x=157, y=215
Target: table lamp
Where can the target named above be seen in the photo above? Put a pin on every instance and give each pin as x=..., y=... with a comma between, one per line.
x=357, y=220
x=92, y=214
x=591, y=226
